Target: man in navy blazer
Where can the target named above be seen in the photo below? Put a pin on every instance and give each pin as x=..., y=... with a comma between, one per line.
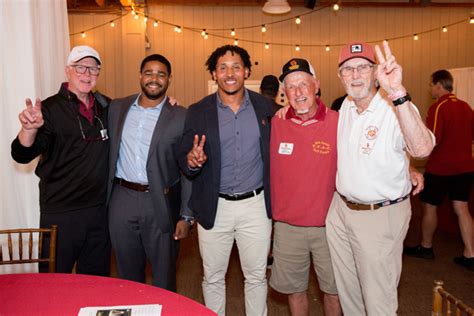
x=147, y=193
x=225, y=150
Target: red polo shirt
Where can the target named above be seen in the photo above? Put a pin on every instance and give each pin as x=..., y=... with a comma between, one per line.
x=452, y=122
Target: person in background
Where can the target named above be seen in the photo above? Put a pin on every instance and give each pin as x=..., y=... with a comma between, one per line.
x=370, y=212
x=225, y=150
x=336, y=104
x=69, y=132
x=303, y=147
x=269, y=88
x=148, y=195
x=449, y=169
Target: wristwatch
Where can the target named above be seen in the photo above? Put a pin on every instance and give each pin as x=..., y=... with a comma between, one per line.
x=402, y=100
x=188, y=219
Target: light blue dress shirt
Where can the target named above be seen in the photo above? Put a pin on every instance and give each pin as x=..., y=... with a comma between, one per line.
x=135, y=142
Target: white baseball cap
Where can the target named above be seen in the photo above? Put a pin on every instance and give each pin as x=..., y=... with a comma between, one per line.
x=80, y=52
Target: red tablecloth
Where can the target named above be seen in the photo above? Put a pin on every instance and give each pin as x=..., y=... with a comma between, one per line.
x=64, y=294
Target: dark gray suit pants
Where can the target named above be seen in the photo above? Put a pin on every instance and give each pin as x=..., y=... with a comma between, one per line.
x=136, y=237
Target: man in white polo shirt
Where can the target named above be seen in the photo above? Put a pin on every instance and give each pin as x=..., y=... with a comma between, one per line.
x=370, y=212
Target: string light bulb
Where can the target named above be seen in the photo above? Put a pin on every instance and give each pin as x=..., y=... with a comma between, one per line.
x=328, y=48
x=298, y=20
x=145, y=19
x=335, y=7
x=297, y=48
x=177, y=29
x=203, y=32
x=471, y=20
x=133, y=12
x=155, y=24
x=236, y=42
x=415, y=37
x=206, y=35
x=112, y=24
x=264, y=28
x=136, y=16
x=83, y=34
x=232, y=32
x=445, y=29
x=267, y=46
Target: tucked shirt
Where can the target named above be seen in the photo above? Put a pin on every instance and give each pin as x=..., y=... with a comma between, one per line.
x=135, y=142
x=372, y=163
x=452, y=122
x=241, y=160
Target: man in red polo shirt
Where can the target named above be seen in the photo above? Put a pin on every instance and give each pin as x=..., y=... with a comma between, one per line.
x=449, y=168
x=302, y=150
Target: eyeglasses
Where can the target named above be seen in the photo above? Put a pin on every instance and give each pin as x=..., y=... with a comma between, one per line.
x=362, y=69
x=80, y=69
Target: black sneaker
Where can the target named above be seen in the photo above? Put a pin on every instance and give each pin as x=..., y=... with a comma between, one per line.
x=467, y=263
x=419, y=252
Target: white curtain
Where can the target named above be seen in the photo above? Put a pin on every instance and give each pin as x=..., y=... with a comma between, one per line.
x=34, y=37
x=464, y=84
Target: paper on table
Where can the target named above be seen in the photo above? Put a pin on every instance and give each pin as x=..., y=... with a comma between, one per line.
x=125, y=310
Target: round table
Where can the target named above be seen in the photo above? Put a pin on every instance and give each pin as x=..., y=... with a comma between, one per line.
x=64, y=294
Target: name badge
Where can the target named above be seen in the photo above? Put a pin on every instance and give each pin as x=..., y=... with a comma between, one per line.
x=285, y=149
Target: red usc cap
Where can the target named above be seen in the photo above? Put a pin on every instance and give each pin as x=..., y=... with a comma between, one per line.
x=357, y=49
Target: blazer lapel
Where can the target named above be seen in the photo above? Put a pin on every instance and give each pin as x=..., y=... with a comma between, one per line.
x=166, y=117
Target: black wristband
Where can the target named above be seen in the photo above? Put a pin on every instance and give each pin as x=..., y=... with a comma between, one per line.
x=401, y=100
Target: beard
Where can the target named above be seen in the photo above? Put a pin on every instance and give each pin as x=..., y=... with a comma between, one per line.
x=153, y=95
x=360, y=94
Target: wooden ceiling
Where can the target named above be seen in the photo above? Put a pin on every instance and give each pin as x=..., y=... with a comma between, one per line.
x=107, y=6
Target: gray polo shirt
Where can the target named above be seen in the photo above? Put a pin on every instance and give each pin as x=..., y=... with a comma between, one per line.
x=241, y=160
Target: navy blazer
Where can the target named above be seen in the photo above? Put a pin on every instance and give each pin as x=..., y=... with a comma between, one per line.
x=202, y=119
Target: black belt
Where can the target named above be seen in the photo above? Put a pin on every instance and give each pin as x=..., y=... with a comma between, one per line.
x=132, y=185
x=370, y=207
x=241, y=196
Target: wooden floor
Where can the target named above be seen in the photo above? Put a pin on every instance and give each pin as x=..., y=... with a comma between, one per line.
x=415, y=290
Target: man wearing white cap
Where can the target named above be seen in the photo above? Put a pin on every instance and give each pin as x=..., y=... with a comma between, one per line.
x=302, y=147
x=69, y=132
x=370, y=212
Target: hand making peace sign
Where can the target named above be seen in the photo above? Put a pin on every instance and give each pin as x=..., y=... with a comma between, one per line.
x=31, y=118
x=389, y=73
x=196, y=156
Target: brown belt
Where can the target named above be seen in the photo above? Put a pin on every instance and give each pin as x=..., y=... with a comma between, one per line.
x=370, y=207
x=132, y=185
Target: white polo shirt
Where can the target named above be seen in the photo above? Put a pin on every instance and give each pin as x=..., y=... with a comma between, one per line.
x=372, y=163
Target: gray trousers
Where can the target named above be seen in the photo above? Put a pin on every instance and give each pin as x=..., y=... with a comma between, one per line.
x=136, y=238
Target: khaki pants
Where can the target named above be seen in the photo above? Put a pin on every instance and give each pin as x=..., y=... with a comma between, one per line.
x=366, y=250
x=247, y=223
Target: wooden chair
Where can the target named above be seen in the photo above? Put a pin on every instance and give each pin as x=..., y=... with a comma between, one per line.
x=15, y=254
x=444, y=303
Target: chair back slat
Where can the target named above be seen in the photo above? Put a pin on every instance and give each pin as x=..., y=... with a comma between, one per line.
x=10, y=246
x=29, y=238
x=443, y=298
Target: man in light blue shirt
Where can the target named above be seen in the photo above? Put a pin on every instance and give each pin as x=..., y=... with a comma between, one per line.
x=147, y=194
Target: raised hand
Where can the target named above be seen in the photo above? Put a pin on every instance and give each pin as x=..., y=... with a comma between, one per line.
x=31, y=118
x=389, y=73
x=196, y=156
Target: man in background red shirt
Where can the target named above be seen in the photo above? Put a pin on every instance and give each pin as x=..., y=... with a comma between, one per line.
x=449, y=168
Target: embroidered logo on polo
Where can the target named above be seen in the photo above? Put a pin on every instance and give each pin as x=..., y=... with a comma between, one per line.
x=371, y=133
x=285, y=148
x=321, y=147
